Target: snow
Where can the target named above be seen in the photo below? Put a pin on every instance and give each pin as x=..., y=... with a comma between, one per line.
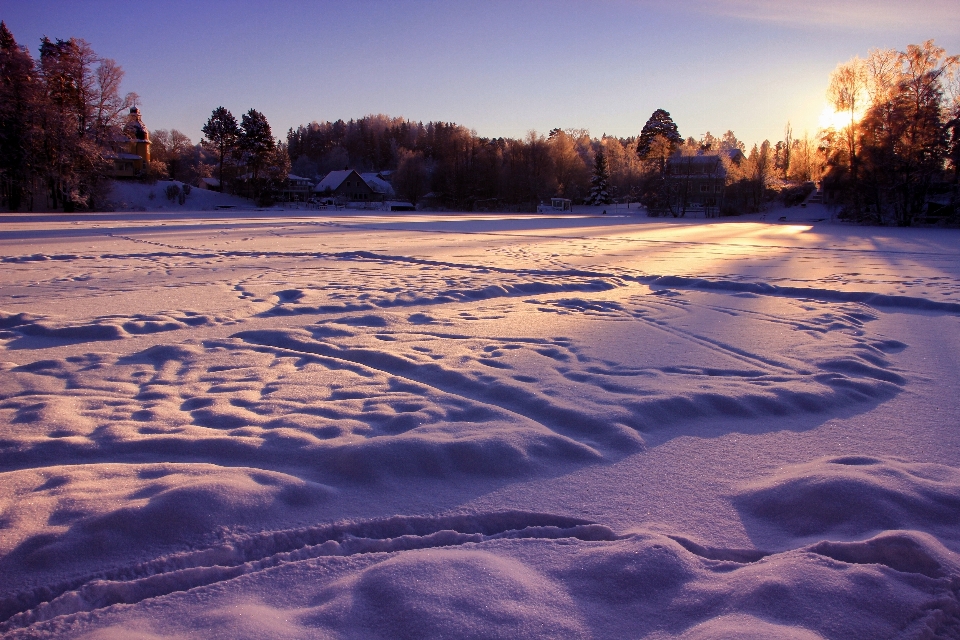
x=137, y=196
x=378, y=184
x=286, y=424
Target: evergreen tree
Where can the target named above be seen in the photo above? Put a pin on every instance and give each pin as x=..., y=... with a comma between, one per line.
x=221, y=133
x=256, y=140
x=659, y=124
x=598, y=183
x=18, y=127
x=257, y=146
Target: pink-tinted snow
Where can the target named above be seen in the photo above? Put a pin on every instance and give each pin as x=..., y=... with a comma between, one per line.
x=289, y=424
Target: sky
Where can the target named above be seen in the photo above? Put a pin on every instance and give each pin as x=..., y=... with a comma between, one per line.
x=499, y=68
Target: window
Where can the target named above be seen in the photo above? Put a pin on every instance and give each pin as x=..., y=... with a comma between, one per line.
x=704, y=188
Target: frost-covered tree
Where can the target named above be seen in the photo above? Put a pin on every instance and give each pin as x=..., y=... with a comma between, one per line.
x=79, y=114
x=905, y=135
x=570, y=169
x=599, y=193
x=60, y=119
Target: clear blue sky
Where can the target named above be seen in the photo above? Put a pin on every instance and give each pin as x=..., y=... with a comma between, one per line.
x=501, y=68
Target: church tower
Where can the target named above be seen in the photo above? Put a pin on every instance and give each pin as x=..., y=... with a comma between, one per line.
x=139, y=137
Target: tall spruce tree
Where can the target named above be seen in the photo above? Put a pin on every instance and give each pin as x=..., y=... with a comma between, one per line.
x=599, y=193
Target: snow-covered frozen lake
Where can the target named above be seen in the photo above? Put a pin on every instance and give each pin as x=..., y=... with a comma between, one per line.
x=269, y=424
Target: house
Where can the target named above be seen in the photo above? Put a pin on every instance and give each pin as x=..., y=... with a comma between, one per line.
x=211, y=184
x=132, y=154
x=557, y=205
x=695, y=183
x=297, y=189
x=347, y=185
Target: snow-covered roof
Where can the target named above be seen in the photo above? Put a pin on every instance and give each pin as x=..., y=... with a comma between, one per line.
x=123, y=155
x=378, y=184
x=291, y=176
x=333, y=180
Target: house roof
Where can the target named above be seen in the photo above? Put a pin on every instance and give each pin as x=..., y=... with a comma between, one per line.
x=333, y=180
x=378, y=184
x=689, y=165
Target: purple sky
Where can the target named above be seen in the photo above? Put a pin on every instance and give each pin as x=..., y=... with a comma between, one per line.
x=501, y=68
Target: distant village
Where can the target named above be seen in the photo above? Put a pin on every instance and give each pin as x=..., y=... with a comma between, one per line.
x=696, y=177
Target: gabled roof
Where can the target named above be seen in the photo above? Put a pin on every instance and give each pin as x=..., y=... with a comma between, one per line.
x=333, y=180
x=708, y=163
x=378, y=184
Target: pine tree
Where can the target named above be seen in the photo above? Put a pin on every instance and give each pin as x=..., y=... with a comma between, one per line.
x=257, y=144
x=659, y=124
x=221, y=133
x=598, y=183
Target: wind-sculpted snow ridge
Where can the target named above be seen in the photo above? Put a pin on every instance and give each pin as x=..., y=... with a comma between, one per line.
x=104, y=327
x=532, y=280
x=851, y=495
x=237, y=555
x=528, y=430
x=871, y=298
x=557, y=578
x=361, y=396
x=292, y=302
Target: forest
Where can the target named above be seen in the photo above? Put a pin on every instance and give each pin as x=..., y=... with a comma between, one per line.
x=890, y=156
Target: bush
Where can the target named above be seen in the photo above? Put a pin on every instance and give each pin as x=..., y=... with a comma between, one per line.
x=155, y=170
x=173, y=192
x=796, y=194
x=730, y=210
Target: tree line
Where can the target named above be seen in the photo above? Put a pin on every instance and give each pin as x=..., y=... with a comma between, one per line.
x=249, y=160
x=462, y=170
x=896, y=158
x=58, y=114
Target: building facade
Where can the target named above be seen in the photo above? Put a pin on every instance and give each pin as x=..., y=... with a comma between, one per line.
x=695, y=184
x=133, y=149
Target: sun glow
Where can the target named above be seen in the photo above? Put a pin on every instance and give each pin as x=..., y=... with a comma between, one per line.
x=830, y=118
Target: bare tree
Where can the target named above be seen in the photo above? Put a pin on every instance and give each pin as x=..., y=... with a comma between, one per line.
x=108, y=106
x=848, y=92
